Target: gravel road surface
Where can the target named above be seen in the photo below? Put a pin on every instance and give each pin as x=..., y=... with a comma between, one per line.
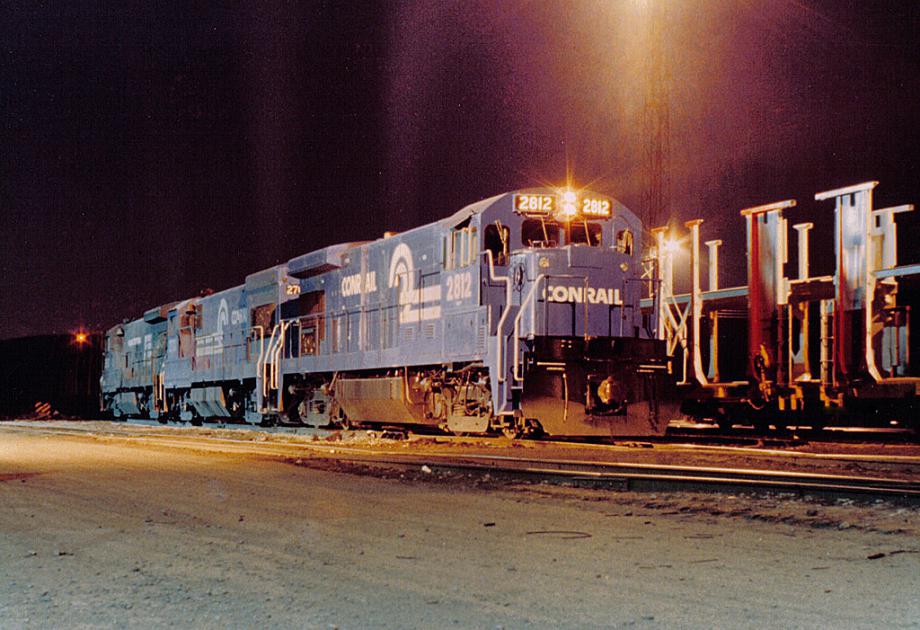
x=101, y=533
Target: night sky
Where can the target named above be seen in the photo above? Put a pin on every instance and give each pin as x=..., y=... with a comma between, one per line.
x=150, y=151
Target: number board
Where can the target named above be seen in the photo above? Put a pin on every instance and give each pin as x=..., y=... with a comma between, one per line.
x=595, y=207
x=534, y=204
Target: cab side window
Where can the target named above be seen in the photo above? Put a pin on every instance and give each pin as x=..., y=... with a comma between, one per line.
x=496, y=241
x=462, y=248
x=624, y=242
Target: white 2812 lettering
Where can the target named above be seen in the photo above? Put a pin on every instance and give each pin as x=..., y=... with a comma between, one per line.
x=459, y=286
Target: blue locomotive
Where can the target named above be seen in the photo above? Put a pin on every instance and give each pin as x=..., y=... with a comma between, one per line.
x=519, y=313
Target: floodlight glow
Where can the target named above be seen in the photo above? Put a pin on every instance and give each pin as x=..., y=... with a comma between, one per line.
x=672, y=246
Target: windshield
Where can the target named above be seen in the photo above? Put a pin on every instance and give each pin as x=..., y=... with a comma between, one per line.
x=583, y=233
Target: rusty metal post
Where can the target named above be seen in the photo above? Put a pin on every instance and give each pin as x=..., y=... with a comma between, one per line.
x=854, y=282
x=767, y=289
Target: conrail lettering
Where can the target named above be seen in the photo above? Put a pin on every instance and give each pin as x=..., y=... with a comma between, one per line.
x=580, y=295
x=359, y=283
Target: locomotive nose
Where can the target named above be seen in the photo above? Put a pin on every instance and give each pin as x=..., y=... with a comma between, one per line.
x=599, y=386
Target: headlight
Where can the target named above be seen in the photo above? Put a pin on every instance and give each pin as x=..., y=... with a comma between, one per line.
x=605, y=391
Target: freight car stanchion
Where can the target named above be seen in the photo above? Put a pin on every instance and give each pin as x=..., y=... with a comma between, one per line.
x=713, y=247
x=862, y=336
x=696, y=302
x=865, y=243
x=767, y=296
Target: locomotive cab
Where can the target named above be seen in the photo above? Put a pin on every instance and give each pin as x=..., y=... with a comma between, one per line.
x=575, y=357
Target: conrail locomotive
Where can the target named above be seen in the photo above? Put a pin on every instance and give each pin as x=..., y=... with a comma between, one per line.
x=518, y=314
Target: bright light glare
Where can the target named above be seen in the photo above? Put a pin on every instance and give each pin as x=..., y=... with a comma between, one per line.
x=569, y=210
x=569, y=197
x=672, y=246
x=81, y=337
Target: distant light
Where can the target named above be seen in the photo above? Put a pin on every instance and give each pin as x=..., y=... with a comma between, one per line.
x=81, y=338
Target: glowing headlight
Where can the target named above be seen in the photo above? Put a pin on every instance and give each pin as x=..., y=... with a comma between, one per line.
x=605, y=390
x=569, y=207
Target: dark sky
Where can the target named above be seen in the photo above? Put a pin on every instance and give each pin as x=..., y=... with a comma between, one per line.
x=149, y=151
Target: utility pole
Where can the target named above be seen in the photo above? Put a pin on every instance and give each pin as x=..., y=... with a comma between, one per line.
x=656, y=117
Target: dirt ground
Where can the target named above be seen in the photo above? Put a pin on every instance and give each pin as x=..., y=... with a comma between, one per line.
x=97, y=531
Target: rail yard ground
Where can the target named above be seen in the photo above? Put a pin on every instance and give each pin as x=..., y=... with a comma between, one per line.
x=105, y=525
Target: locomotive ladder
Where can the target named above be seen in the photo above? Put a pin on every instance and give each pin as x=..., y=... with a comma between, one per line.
x=268, y=370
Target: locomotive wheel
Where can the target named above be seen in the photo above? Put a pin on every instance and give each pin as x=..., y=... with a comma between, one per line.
x=512, y=430
x=337, y=417
x=533, y=428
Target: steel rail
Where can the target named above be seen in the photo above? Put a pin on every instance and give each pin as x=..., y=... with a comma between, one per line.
x=653, y=478
x=764, y=453
x=616, y=475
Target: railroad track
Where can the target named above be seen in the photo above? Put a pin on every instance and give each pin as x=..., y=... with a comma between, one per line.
x=658, y=478
x=638, y=477
x=753, y=446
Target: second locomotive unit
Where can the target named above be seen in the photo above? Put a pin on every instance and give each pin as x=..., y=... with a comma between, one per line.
x=518, y=313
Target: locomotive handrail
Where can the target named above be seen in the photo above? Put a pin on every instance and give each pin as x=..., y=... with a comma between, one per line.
x=279, y=359
x=263, y=360
x=528, y=299
x=499, y=338
x=276, y=357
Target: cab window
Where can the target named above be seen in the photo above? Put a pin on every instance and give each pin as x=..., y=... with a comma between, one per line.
x=496, y=241
x=462, y=247
x=583, y=233
x=625, y=242
x=539, y=233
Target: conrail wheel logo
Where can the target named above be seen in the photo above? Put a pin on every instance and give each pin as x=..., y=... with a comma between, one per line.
x=412, y=302
x=402, y=273
x=223, y=316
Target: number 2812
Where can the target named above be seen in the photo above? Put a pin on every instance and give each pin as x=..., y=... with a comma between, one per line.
x=459, y=286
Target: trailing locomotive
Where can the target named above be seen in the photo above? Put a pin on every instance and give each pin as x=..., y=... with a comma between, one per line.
x=518, y=313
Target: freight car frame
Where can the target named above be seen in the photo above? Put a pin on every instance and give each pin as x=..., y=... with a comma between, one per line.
x=819, y=348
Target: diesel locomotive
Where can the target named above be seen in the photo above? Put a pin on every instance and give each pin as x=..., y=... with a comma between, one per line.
x=520, y=313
